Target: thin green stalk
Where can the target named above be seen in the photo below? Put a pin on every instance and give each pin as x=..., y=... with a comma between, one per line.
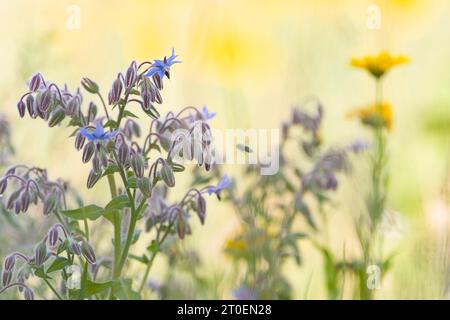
x=116, y=223
x=53, y=289
x=104, y=105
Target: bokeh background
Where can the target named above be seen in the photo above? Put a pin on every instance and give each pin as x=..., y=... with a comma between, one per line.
x=251, y=61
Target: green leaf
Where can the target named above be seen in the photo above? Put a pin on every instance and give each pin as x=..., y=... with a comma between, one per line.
x=118, y=203
x=39, y=272
x=122, y=289
x=110, y=124
x=112, y=168
x=132, y=183
x=127, y=113
x=91, y=212
x=97, y=287
x=58, y=264
x=143, y=259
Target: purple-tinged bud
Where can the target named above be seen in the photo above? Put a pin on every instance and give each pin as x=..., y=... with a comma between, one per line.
x=3, y=185
x=145, y=186
x=158, y=97
x=13, y=197
x=167, y=175
x=44, y=100
x=6, y=277
x=73, y=106
x=49, y=203
x=116, y=90
x=21, y=108
x=201, y=208
x=35, y=82
x=131, y=75
x=88, y=152
x=28, y=294
x=96, y=165
x=88, y=252
x=146, y=100
x=181, y=227
x=89, y=85
x=57, y=116
x=74, y=247
x=30, y=106
x=92, y=112
x=158, y=81
x=40, y=253
x=9, y=262
x=103, y=156
x=123, y=154
x=53, y=236
x=137, y=164
x=79, y=141
x=17, y=207
x=93, y=178
x=24, y=200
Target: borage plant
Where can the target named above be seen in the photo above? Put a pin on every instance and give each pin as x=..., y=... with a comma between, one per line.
x=66, y=258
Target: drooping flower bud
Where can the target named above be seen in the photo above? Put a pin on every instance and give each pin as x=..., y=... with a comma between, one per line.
x=73, y=106
x=137, y=164
x=145, y=186
x=88, y=152
x=3, y=185
x=167, y=175
x=53, y=236
x=116, y=90
x=28, y=294
x=158, y=81
x=89, y=85
x=79, y=141
x=40, y=253
x=57, y=116
x=131, y=75
x=24, y=200
x=96, y=165
x=44, y=100
x=21, y=108
x=35, y=82
x=201, y=208
x=93, y=178
x=123, y=154
x=49, y=203
x=13, y=197
x=92, y=112
x=181, y=227
x=9, y=262
x=88, y=252
x=74, y=247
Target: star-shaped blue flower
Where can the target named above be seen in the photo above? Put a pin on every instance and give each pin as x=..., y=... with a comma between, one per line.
x=162, y=67
x=224, y=183
x=206, y=114
x=98, y=134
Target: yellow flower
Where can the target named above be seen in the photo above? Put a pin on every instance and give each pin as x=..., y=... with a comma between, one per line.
x=235, y=245
x=379, y=64
x=374, y=115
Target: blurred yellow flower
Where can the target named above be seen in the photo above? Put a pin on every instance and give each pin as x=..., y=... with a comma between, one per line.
x=235, y=245
x=379, y=64
x=374, y=115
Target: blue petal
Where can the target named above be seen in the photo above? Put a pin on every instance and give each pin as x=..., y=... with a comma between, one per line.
x=85, y=133
x=99, y=131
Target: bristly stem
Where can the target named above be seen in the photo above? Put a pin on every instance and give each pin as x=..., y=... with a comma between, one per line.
x=53, y=289
x=104, y=105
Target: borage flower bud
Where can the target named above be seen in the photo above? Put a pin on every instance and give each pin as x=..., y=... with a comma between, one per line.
x=49, y=203
x=93, y=178
x=92, y=112
x=158, y=81
x=3, y=185
x=131, y=75
x=44, y=100
x=74, y=247
x=88, y=252
x=35, y=82
x=89, y=85
x=9, y=262
x=21, y=108
x=40, y=253
x=13, y=197
x=103, y=156
x=79, y=141
x=123, y=154
x=96, y=165
x=28, y=294
x=30, y=106
x=146, y=100
x=137, y=164
x=145, y=186
x=57, y=116
x=116, y=90
x=24, y=200
x=88, y=152
x=167, y=175
x=73, y=106
x=53, y=236
x=6, y=277
x=201, y=208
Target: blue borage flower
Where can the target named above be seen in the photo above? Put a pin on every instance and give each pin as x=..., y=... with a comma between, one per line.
x=162, y=67
x=205, y=114
x=224, y=183
x=98, y=134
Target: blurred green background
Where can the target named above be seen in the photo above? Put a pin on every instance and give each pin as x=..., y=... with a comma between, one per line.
x=251, y=61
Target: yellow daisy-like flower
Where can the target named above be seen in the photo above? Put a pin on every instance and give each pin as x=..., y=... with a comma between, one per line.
x=375, y=115
x=379, y=64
